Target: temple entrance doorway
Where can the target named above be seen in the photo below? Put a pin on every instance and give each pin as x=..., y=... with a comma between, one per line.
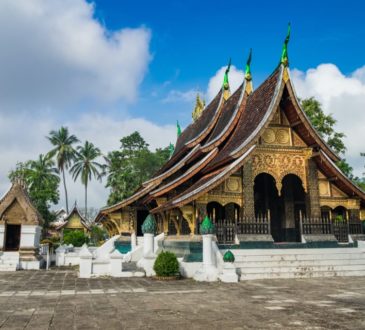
x=215, y=211
x=141, y=217
x=294, y=203
x=268, y=203
x=12, y=239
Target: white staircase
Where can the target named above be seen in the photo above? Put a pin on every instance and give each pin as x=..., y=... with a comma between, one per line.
x=9, y=261
x=299, y=263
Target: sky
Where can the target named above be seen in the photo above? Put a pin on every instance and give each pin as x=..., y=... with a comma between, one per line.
x=106, y=68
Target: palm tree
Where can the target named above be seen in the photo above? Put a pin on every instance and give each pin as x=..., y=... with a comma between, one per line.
x=86, y=166
x=63, y=151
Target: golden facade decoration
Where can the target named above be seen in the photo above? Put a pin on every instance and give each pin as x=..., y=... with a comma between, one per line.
x=277, y=136
x=281, y=162
x=348, y=203
x=324, y=188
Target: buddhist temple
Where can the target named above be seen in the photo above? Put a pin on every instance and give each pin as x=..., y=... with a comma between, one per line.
x=253, y=162
x=20, y=229
x=74, y=221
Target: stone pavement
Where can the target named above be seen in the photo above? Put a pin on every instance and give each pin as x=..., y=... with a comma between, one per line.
x=57, y=299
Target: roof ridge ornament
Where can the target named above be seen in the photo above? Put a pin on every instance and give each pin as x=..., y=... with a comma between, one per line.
x=178, y=128
x=284, y=54
x=199, y=107
x=248, y=76
x=226, y=88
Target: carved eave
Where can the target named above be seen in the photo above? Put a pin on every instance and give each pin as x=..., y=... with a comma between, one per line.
x=205, y=184
x=302, y=123
x=195, y=132
x=18, y=194
x=220, y=133
x=173, y=169
x=189, y=173
x=325, y=163
x=254, y=119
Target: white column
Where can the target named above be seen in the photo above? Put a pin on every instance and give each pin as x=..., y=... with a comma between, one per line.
x=133, y=241
x=148, y=242
x=2, y=236
x=85, y=262
x=116, y=263
x=60, y=256
x=207, y=250
x=30, y=236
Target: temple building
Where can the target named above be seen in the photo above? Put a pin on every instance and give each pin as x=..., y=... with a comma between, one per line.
x=20, y=230
x=74, y=221
x=253, y=162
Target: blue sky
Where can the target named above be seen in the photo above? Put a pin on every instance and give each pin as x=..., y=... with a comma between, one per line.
x=105, y=68
x=191, y=39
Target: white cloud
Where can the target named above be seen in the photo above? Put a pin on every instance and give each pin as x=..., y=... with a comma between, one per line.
x=104, y=131
x=179, y=96
x=215, y=83
x=344, y=97
x=55, y=51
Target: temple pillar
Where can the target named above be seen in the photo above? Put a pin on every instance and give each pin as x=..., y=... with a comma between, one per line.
x=201, y=212
x=248, y=190
x=313, y=205
x=288, y=224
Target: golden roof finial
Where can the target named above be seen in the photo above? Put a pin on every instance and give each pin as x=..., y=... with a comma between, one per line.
x=199, y=107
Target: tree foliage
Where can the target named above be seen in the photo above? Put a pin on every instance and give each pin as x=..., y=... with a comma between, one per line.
x=63, y=151
x=42, y=182
x=86, y=167
x=133, y=164
x=325, y=126
x=75, y=237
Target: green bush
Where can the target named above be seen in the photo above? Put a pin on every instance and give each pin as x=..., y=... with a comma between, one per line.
x=75, y=237
x=166, y=264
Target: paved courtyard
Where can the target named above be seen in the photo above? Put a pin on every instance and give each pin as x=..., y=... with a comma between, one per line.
x=57, y=299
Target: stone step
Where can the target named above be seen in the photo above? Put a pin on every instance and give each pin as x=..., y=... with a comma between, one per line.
x=298, y=257
x=306, y=274
x=270, y=252
x=299, y=269
x=285, y=262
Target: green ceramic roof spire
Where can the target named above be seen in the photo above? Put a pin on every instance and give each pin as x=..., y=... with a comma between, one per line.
x=225, y=80
x=178, y=128
x=284, y=54
x=171, y=149
x=248, y=67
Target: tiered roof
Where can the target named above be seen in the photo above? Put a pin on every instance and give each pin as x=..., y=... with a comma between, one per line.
x=219, y=142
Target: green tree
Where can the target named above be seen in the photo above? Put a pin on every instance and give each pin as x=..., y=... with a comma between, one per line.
x=324, y=124
x=63, y=151
x=86, y=166
x=42, y=182
x=75, y=237
x=133, y=164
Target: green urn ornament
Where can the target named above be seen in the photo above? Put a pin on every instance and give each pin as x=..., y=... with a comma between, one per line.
x=149, y=225
x=207, y=227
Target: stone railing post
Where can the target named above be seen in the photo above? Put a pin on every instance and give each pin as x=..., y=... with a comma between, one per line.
x=148, y=229
x=116, y=263
x=208, y=271
x=229, y=274
x=133, y=241
x=85, y=262
x=60, y=256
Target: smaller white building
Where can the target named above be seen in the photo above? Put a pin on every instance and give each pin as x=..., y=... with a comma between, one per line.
x=20, y=230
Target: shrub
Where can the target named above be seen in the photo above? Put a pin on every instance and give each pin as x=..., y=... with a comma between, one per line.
x=75, y=237
x=166, y=264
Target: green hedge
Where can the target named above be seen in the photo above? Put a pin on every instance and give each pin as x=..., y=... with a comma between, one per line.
x=166, y=264
x=75, y=237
